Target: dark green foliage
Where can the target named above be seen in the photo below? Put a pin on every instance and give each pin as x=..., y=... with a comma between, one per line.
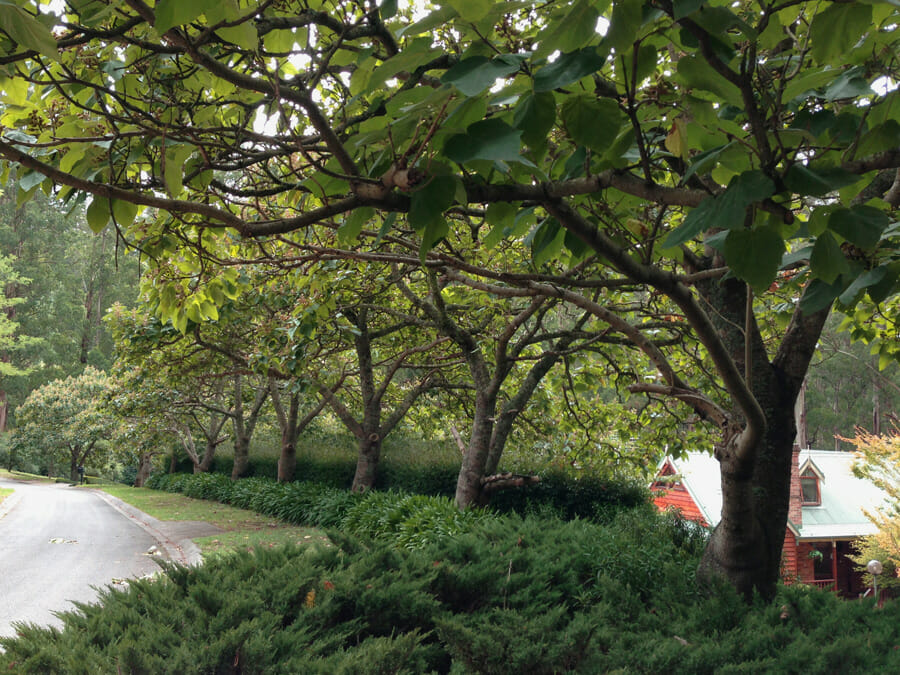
x=511, y=595
x=411, y=521
x=570, y=497
x=557, y=494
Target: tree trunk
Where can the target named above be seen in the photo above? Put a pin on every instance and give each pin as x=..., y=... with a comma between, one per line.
x=4, y=411
x=745, y=548
x=73, y=463
x=244, y=427
x=468, y=484
x=367, y=462
x=241, y=456
x=287, y=461
x=143, y=472
x=209, y=454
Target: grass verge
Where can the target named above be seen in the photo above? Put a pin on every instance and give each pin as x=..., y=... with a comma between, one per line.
x=242, y=529
x=21, y=475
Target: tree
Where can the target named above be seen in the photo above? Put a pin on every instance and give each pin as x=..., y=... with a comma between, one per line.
x=140, y=431
x=65, y=419
x=878, y=460
x=730, y=166
x=846, y=389
x=74, y=275
x=11, y=341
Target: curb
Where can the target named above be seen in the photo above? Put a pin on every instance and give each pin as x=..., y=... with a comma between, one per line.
x=182, y=551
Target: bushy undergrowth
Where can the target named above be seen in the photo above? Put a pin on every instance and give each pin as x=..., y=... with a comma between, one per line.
x=408, y=520
x=594, y=498
x=511, y=595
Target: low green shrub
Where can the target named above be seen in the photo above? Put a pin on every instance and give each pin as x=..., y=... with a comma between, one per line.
x=510, y=595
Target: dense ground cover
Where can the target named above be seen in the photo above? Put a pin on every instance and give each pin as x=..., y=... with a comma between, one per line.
x=511, y=595
x=407, y=584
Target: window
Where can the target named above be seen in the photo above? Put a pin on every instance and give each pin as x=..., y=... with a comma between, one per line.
x=809, y=488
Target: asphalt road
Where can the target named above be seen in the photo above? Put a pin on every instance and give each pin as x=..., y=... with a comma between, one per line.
x=56, y=544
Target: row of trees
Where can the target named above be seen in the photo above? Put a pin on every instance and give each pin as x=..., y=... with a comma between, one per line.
x=698, y=181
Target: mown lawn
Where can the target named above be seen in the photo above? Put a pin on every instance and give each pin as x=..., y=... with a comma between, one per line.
x=243, y=529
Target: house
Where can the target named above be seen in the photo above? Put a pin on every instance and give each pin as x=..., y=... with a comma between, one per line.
x=824, y=518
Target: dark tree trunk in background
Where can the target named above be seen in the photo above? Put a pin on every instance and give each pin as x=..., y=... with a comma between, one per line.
x=143, y=472
x=367, y=463
x=244, y=427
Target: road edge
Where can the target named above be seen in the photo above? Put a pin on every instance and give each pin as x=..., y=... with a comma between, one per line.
x=183, y=551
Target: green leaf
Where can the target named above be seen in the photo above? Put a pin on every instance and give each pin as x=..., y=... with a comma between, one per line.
x=683, y=8
x=695, y=72
x=123, y=212
x=860, y=225
x=436, y=230
x=827, y=261
x=387, y=9
x=568, y=68
x=754, y=255
x=171, y=13
x=386, y=226
x=98, y=213
x=174, y=168
x=807, y=81
x=819, y=295
x=809, y=180
x=27, y=31
x=535, y=115
x=546, y=241
x=353, y=224
x=836, y=30
x=626, y=21
x=491, y=139
x=880, y=291
x=724, y=211
x=743, y=190
x=885, y=135
x=416, y=53
x=471, y=10
x=700, y=219
x=704, y=162
x=31, y=180
x=849, y=84
x=573, y=31
x=478, y=73
x=244, y=35
x=591, y=122
x=863, y=281
x=501, y=216
x=428, y=204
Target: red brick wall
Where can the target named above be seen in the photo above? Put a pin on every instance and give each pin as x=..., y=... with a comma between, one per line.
x=789, y=558
x=795, y=512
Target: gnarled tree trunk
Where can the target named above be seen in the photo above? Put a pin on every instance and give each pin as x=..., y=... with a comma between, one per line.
x=755, y=463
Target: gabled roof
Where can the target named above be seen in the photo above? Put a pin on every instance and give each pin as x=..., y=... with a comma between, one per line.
x=699, y=473
x=844, y=496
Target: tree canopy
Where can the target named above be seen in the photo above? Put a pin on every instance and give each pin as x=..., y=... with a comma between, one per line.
x=704, y=180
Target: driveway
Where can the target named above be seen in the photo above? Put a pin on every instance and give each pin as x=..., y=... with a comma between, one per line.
x=57, y=543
